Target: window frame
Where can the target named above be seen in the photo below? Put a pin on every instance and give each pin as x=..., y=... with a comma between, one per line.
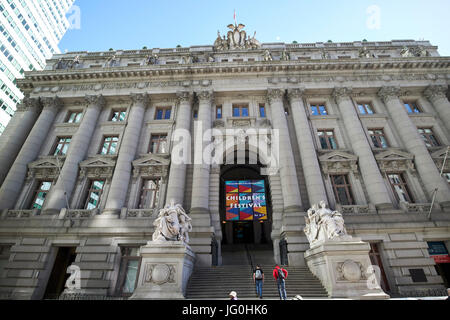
x=219, y=107
x=365, y=105
x=415, y=103
x=156, y=192
x=125, y=258
x=159, y=135
x=91, y=190
x=426, y=137
x=262, y=110
x=55, y=152
x=102, y=146
x=119, y=111
x=37, y=190
x=327, y=139
x=377, y=137
x=164, y=113
x=241, y=107
x=78, y=113
x=403, y=184
x=318, y=109
x=347, y=187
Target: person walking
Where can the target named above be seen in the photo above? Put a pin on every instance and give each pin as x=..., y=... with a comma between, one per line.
x=280, y=275
x=233, y=295
x=258, y=279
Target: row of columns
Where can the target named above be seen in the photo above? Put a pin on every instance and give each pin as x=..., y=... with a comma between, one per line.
x=377, y=190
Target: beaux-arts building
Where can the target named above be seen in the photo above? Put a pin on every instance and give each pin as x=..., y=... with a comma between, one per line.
x=86, y=163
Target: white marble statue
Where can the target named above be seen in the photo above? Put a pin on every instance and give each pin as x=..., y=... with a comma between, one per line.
x=172, y=224
x=324, y=224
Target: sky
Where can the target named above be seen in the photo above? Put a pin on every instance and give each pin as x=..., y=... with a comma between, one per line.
x=98, y=25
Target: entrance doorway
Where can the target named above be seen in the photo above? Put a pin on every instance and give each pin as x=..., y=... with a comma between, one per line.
x=65, y=256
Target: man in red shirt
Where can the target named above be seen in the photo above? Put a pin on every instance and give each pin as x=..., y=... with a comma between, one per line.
x=280, y=275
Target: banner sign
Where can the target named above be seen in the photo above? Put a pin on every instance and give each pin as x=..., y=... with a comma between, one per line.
x=438, y=251
x=245, y=200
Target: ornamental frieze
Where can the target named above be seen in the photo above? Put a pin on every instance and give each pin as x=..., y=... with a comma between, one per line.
x=98, y=167
x=339, y=162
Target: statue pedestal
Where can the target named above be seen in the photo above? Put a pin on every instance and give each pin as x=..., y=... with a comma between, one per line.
x=343, y=267
x=165, y=270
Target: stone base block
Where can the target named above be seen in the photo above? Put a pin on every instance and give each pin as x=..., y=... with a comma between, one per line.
x=344, y=268
x=165, y=270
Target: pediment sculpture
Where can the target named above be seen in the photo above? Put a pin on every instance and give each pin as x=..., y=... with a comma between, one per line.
x=322, y=224
x=172, y=224
x=236, y=39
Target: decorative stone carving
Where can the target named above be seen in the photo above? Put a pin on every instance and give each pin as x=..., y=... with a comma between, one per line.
x=95, y=100
x=172, y=224
x=236, y=39
x=395, y=161
x=323, y=224
x=418, y=51
x=184, y=96
x=435, y=92
x=151, y=59
x=389, y=93
x=295, y=94
x=159, y=273
x=151, y=166
x=365, y=53
x=141, y=98
x=52, y=103
x=30, y=104
x=339, y=162
x=325, y=54
x=205, y=96
x=47, y=168
x=274, y=94
x=267, y=56
x=341, y=93
x=98, y=167
x=285, y=56
x=350, y=270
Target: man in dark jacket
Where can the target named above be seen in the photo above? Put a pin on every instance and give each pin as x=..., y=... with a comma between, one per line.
x=280, y=276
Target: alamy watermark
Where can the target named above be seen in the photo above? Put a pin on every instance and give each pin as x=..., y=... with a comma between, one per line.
x=373, y=21
x=74, y=17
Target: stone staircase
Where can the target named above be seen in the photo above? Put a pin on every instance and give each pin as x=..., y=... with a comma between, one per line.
x=215, y=283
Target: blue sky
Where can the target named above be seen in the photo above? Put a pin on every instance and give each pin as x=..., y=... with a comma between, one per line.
x=132, y=24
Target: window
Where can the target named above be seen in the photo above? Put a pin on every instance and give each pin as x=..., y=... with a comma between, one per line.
x=327, y=139
x=365, y=108
x=319, y=110
x=163, y=113
x=129, y=271
x=428, y=137
x=109, y=145
x=195, y=113
x=218, y=112
x=378, y=138
x=40, y=194
x=342, y=189
x=412, y=107
x=62, y=146
x=262, y=111
x=118, y=115
x=149, y=193
x=240, y=111
x=158, y=143
x=400, y=188
x=74, y=116
x=94, y=194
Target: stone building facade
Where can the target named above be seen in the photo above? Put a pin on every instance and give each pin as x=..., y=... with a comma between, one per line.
x=86, y=163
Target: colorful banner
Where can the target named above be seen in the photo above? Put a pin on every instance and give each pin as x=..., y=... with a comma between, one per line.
x=245, y=200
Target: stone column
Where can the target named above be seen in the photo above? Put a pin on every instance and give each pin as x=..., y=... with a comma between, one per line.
x=13, y=182
x=437, y=96
x=311, y=167
x=56, y=199
x=127, y=153
x=288, y=173
x=374, y=182
x=200, y=188
x=177, y=175
x=16, y=132
x=409, y=134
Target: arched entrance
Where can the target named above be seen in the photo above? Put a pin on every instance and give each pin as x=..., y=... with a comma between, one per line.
x=245, y=205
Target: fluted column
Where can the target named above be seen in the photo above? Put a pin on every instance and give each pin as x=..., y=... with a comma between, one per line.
x=288, y=173
x=56, y=199
x=437, y=95
x=13, y=182
x=127, y=153
x=373, y=180
x=409, y=134
x=200, y=188
x=177, y=176
x=16, y=132
x=311, y=167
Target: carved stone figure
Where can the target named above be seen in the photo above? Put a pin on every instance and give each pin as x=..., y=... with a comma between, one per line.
x=151, y=59
x=267, y=56
x=324, y=224
x=236, y=39
x=406, y=53
x=285, y=56
x=325, y=54
x=172, y=224
x=365, y=53
x=111, y=61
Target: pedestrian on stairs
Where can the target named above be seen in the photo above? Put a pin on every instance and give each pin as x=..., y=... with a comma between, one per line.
x=280, y=276
x=233, y=295
x=258, y=279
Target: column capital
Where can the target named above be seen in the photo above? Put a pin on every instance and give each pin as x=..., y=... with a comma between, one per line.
x=184, y=97
x=206, y=96
x=30, y=104
x=295, y=94
x=141, y=98
x=340, y=93
x=388, y=93
x=52, y=103
x=275, y=95
x=434, y=92
x=95, y=100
